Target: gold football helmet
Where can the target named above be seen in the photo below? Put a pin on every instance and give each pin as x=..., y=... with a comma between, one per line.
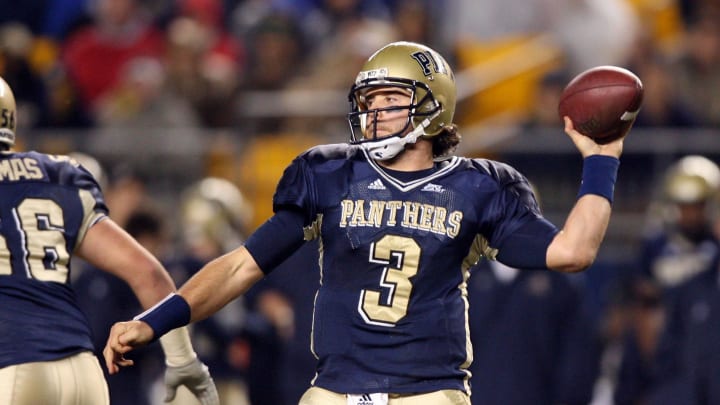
x=7, y=114
x=692, y=179
x=413, y=67
x=214, y=211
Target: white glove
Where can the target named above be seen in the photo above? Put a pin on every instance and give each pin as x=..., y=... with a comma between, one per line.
x=196, y=377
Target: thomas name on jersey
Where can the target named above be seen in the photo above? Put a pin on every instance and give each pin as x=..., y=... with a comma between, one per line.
x=413, y=215
x=20, y=169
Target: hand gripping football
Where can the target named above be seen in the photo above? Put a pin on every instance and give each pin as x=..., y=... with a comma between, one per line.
x=602, y=102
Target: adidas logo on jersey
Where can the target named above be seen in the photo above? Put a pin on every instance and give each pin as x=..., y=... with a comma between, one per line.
x=433, y=187
x=377, y=185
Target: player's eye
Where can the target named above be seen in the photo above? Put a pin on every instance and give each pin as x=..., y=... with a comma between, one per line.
x=392, y=99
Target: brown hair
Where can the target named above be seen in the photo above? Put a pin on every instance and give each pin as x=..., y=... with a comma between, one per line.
x=446, y=141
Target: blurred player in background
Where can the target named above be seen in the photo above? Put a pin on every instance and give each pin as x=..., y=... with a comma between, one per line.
x=242, y=342
x=682, y=241
x=680, y=246
x=50, y=209
x=400, y=222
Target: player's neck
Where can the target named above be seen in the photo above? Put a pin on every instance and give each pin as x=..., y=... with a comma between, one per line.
x=415, y=157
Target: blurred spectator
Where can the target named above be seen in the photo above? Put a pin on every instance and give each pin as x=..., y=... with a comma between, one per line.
x=691, y=10
x=126, y=193
x=414, y=23
x=245, y=15
x=208, y=82
x=31, y=93
x=330, y=18
x=142, y=99
x=334, y=64
x=696, y=73
x=214, y=69
x=276, y=54
x=62, y=17
x=28, y=13
x=544, y=108
x=661, y=106
x=95, y=55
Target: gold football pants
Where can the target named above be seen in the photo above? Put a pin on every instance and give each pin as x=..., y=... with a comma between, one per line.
x=320, y=396
x=74, y=380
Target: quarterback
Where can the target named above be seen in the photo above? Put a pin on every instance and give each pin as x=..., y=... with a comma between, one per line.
x=400, y=221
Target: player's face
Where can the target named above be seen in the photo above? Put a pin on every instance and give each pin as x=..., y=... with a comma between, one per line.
x=386, y=122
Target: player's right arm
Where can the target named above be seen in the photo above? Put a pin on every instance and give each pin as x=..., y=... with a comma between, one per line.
x=575, y=247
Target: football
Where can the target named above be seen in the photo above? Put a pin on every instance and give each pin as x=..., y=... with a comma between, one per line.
x=602, y=102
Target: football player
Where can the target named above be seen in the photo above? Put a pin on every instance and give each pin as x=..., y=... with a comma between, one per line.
x=400, y=222
x=51, y=208
x=684, y=243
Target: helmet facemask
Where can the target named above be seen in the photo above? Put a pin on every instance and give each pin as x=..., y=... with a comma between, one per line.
x=431, y=84
x=363, y=121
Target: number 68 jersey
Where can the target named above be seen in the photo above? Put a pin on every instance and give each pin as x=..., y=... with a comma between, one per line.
x=391, y=311
x=47, y=203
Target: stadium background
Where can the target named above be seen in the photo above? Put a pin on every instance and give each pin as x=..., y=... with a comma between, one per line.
x=172, y=92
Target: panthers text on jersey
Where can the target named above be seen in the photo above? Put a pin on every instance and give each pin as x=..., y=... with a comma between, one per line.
x=391, y=312
x=47, y=203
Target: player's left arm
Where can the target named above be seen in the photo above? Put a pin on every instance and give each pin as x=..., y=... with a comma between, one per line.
x=214, y=286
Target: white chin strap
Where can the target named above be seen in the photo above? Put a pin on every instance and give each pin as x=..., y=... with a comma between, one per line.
x=388, y=148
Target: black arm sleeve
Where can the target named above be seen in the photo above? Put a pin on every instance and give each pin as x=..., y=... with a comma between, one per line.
x=526, y=247
x=276, y=239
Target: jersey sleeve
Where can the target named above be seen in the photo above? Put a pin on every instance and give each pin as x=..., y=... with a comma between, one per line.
x=520, y=234
x=296, y=190
x=91, y=197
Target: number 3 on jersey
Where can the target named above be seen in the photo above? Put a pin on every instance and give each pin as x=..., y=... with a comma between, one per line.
x=401, y=257
x=39, y=225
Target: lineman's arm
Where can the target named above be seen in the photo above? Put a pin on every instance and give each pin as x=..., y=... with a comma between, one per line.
x=575, y=247
x=108, y=247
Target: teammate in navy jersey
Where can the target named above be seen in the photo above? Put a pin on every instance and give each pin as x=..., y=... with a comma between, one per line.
x=400, y=221
x=51, y=208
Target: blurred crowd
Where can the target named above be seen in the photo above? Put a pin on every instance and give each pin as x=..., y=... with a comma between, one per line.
x=201, y=63
x=162, y=67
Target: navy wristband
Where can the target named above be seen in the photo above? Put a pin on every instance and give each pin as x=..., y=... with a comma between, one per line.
x=599, y=176
x=170, y=313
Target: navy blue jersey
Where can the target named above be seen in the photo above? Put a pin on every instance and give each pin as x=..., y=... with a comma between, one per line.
x=47, y=203
x=391, y=313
